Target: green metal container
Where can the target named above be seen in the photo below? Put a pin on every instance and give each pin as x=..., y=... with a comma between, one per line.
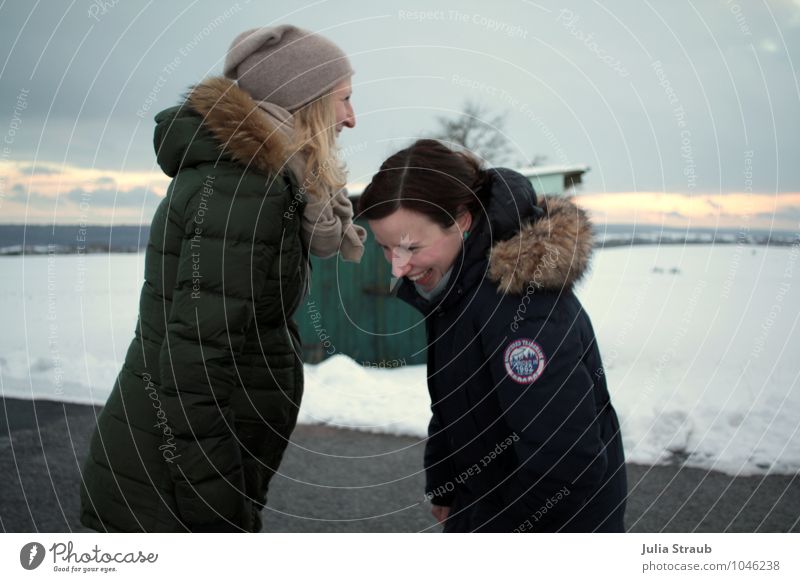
x=350, y=311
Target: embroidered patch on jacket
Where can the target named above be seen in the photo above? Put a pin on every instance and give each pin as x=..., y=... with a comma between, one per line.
x=524, y=361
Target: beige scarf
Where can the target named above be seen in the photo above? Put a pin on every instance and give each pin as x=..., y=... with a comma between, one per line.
x=327, y=223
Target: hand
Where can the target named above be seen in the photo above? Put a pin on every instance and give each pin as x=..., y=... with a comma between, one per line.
x=440, y=512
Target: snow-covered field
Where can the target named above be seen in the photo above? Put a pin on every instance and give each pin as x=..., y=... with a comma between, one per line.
x=701, y=347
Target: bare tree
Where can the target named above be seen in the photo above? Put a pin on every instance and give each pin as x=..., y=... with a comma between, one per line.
x=478, y=131
x=537, y=160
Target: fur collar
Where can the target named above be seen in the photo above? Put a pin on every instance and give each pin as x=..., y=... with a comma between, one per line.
x=552, y=252
x=246, y=132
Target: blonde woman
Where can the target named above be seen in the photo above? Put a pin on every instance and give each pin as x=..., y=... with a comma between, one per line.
x=208, y=396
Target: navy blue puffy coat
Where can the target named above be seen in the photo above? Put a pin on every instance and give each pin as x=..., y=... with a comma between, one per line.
x=523, y=435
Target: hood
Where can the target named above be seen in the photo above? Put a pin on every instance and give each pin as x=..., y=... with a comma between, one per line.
x=510, y=201
x=550, y=252
x=545, y=242
x=219, y=121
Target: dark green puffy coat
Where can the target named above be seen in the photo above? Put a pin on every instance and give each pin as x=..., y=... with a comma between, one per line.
x=203, y=407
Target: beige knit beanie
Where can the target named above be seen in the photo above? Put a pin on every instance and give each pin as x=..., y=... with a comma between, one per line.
x=286, y=65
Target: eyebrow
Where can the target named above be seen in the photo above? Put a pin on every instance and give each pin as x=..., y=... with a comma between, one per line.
x=408, y=245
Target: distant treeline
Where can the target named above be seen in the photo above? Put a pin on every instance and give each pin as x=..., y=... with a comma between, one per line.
x=618, y=235
x=16, y=239
x=39, y=239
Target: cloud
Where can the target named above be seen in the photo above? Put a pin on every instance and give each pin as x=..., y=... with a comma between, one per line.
x=20, y=197
x=791, y=213
x=85, y=90
x=134, y=198
x=768, y=45
x=38, y=171
x=794, y=14
x=19, y=194
x=105, y=198
x=79, y=205
x=35, y=200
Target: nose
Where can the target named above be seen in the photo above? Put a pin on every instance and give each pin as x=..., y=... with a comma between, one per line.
x=399, y=270
x=350, y=119
x=400, y=266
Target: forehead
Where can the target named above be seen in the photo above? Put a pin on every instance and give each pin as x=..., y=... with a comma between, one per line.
x=403, y=224
x=344, y=86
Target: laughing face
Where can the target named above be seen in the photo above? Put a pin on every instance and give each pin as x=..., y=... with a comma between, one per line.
x=345, y=116
x=418, y=248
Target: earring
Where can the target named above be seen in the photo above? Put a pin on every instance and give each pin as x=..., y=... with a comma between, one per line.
x=466, y=234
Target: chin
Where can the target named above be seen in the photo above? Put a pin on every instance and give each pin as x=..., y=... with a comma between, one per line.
x=431, y=287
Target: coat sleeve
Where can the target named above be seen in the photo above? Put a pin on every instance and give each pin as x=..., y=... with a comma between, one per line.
x=546, y=397
x=219, y=277
x=439, y=476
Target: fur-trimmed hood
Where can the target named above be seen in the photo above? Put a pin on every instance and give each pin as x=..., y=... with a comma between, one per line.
x=552, y=252
x=543, y=243
x=239, y=130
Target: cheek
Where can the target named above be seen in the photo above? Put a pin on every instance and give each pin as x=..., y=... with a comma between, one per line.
x=448, y=253
x=425, y=258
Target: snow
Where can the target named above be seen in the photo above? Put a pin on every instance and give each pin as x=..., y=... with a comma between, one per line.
x=700, y=345
x=342, y=393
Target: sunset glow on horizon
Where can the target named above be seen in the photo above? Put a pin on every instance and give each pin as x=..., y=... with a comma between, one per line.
x=62, y=194
x=735, y=210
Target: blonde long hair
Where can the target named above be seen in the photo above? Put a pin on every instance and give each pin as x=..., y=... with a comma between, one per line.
x=315, y=138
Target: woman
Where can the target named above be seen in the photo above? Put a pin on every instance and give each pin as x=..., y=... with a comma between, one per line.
x=208, y=396
x=523, y=436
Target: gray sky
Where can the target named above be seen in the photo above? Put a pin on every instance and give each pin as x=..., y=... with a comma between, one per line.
x=655, y=96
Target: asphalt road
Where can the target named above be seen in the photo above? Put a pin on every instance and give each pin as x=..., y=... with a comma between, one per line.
x=335, y=480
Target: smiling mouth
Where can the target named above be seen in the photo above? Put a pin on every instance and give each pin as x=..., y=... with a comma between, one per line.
x=421, y=278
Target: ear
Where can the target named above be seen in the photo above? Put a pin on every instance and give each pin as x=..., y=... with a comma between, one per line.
x=464, y=220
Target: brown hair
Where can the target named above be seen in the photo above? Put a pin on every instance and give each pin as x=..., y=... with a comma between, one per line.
x=429, y=178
